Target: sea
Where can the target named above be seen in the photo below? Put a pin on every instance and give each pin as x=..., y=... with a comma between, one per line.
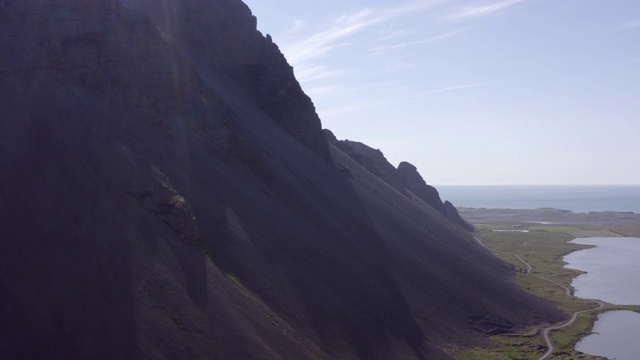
x=577, y=198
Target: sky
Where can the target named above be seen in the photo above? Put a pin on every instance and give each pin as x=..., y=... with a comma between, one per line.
x=474, y=92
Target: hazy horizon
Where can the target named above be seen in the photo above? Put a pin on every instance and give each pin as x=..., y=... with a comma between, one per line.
x=482, y=92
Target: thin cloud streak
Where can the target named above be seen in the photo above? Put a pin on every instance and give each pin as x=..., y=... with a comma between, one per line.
x=395, y=68
x=358, y=106
x=323, y=90
x=320, y=43
x=449, y=88
x=419, y=42
x=298, y=25
x=392, y=34
x=469, y=12
x=315, y=72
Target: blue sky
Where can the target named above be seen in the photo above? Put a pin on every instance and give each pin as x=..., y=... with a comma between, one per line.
x=474, y=92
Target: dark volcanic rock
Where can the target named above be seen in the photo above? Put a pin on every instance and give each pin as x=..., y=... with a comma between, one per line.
x=223, y=34
x=166, y=194
x=374, y=160
x=453, y=215
x=413, y=182
x=330, y=136
x=405, y=178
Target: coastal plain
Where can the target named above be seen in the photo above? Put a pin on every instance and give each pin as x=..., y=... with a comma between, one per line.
x=547, y=216
x=541, y=238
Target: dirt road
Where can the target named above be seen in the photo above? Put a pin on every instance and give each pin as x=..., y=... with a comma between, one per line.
x=545, y=331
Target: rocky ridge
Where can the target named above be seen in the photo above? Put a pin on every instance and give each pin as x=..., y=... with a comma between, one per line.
x=405, y=178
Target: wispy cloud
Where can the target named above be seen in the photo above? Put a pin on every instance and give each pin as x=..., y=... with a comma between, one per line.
x=298, y=25
x=309, y=53
x=300, y=50
x=395, y=68
x=315, y=72
x=389, y=34
x=320, y=43
x=418, y=42
x=323, y=90
x=360, y=106
x=449, y=88
x=468, y=12
x=624, y=26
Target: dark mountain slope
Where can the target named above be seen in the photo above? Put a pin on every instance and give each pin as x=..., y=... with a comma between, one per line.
x=155, y=205
x=222, y=35
x=405, y=178
x=454, y=258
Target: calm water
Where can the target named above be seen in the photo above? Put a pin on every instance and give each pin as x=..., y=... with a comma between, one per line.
x=612, y=270
x=615, y=336
x=612, y=267
x=574, y=198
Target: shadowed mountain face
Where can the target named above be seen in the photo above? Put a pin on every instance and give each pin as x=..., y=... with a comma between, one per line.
x=405, y=178
x=168, y=192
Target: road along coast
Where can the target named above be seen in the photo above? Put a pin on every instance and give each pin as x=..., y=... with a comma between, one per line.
x=536, y=248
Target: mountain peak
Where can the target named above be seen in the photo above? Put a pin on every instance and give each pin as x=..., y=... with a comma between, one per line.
x=407, y=168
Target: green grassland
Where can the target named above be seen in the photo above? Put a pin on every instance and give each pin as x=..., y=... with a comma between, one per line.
x=543, y=248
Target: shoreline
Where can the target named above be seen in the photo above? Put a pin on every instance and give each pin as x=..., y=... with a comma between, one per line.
x=601, y=308
x=561, y=227
x=606, y=308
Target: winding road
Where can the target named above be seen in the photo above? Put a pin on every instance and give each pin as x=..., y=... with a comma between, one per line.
x=545, y=331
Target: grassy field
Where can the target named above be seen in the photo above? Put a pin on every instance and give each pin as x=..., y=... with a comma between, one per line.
x=543, y=247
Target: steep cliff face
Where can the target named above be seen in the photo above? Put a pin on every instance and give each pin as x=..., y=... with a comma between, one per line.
x=372, y=159
x=413, y=182
x=157, y=205
x=405, y=178
x=453, y=215
x=222, y=34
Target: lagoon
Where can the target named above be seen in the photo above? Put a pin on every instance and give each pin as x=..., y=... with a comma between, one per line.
x=611, y=275
x=612, y=269
x=615, y=336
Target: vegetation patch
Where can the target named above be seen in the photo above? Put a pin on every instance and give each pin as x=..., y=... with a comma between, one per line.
x=543, y=246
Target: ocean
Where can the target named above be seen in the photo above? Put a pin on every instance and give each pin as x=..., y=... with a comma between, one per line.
x=577, y=198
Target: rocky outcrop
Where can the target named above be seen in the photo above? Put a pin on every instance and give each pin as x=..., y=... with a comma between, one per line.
x=405, y=178
x=374, y=160
x=412, y=181
x=453, y=215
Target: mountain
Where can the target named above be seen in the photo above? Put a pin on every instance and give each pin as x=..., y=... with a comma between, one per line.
x=405, y=178
x=168, y=192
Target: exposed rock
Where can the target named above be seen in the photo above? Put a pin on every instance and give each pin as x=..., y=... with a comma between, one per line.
x=413, y=182
x=405, y=178
x=175, y=210
x=453, y=215
x=374, y=160
x=490, y=325
x=331, y=138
